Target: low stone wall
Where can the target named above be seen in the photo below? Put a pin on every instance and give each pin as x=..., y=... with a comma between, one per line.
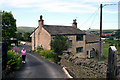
x=83, y=68
x=28, y=43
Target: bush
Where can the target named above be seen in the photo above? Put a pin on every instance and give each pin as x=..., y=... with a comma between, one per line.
x=13, y=60
x=39, y=48
x=10, y=47
x=46, y=52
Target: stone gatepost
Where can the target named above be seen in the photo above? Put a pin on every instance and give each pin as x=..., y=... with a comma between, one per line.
x=112, y=63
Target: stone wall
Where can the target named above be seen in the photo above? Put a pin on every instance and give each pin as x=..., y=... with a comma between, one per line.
x=83, y=68
x=28, y=43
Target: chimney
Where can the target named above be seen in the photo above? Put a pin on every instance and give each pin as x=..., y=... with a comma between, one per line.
x=74, y=24
x=41, y=21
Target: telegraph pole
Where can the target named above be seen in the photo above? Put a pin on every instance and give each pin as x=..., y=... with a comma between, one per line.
x=100, y=31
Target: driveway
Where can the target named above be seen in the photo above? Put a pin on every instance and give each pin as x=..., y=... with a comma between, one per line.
x=37, y=67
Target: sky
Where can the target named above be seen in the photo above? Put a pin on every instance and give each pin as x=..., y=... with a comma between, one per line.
x=62, y=12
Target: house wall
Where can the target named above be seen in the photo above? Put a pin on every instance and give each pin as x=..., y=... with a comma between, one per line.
x=45, y=39
x=36, y=39
x=90, y=46
x=76, y=44
x=42, y=37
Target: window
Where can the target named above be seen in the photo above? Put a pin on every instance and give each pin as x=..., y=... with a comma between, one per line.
x=79, y=49
x=70, y=42
x=79, y=38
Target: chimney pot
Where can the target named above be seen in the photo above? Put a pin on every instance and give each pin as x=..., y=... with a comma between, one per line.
x=40, y=17
x=74, y=24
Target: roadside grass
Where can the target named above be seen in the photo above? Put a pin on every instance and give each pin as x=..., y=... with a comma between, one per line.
x=106, y=46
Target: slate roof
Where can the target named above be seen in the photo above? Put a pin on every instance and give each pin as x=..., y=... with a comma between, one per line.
x=62, y=30
x=92, y=37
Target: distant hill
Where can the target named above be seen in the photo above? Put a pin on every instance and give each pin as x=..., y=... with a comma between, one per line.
x=25, y=29
x=96, y=31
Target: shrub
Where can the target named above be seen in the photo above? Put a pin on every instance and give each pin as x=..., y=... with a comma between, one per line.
x=10, y=47
x=46, y=52
x=39, y=48
x=60, y=44
x=13, y=60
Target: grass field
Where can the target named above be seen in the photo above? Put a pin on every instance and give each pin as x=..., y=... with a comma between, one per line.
x=106, y=46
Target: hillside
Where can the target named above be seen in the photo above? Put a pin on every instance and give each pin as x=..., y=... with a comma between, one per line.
x=103, y=31
x=25, y=29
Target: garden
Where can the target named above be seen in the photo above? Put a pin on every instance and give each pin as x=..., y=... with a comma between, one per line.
x=14, y=61
x=47, y=54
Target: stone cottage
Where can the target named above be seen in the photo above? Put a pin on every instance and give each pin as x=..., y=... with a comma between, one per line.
x=82, y=46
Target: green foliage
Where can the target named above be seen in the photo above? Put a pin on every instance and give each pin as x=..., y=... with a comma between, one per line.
x=8, y=25
x=59, y=44
x=23, y=29
x=24, y=37
x=105, y=52
x=19, y=36
x=39, y=48
x=10, y=47
x=118, y=34
x=48, y=54
x=13, y=60
x=44, y=52
x=27, y=37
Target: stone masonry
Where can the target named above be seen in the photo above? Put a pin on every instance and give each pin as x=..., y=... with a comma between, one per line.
x=83, y=68
x=43, y=34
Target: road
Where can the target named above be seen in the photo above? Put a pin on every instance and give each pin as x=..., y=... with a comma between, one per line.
x=37, y=67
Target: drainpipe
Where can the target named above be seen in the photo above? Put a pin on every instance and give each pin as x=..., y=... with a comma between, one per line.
x=34, y=40
x=85, y=49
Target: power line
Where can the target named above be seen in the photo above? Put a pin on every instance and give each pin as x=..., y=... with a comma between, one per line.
x=90, y=17
x=93, y=20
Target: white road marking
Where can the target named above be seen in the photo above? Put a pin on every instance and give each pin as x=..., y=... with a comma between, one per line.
x=66, y=72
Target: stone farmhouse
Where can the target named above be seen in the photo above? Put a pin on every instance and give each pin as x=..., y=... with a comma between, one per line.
x=83, y=45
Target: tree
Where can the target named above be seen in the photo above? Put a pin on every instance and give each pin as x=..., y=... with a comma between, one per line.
x=19, y=36
x=59, y=44
x=118, y=34
x=8, y=25
x=27, y=36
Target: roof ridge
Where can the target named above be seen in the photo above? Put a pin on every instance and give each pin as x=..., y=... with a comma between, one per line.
x=58, y=25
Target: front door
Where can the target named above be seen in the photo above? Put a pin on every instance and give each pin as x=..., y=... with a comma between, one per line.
x=92, y=52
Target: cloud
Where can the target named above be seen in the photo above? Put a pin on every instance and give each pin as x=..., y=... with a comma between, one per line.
x=55, y=5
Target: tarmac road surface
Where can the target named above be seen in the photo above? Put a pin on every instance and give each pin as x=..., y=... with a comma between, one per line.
x=37, y=67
